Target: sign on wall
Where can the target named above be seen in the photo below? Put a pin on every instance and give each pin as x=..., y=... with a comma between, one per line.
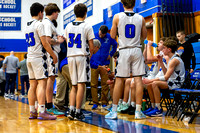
x=10, y=6
x=67, y=3
x=70, y=16
x=10, y=23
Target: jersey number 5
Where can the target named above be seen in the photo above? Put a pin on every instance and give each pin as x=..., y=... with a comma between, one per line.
x=130, y=31
x=30, y=39
x=77, y=40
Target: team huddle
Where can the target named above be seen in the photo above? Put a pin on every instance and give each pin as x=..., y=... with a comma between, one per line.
x=43, y=48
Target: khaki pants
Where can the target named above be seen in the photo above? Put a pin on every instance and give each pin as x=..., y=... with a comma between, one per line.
x=104, y=86
x=61, y=83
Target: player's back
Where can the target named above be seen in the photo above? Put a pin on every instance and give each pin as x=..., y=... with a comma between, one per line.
x=129, y=29
x=34, y=30
x=78, y=33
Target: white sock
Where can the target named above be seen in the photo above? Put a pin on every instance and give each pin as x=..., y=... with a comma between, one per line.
x=32, y=108
x=123, y=103
x=114, y=107
x=120, y=101
x=78, y=110
x=153, y=105
x=158, y=105
x=72, y=108
x=138, y=107
x=36, y=104
x=133, y=104
x=41, y=108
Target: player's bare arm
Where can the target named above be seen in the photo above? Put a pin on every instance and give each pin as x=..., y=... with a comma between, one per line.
x=171, y=68
x=113, y=31
x=91, y=46
x=144, y=29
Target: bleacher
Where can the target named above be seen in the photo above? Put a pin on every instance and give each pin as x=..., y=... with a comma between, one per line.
x=196, y=47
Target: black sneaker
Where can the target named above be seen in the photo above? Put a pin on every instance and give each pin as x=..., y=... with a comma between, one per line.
x=125, y=111
x=131, y=110
x=79, y=116
x=71, y=114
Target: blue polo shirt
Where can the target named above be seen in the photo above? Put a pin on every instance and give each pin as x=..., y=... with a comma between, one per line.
x=100, y=57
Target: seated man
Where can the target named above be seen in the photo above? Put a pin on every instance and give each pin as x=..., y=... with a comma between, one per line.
x=174, y=75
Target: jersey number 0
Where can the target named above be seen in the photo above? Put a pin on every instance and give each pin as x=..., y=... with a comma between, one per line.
x=130, y=31
x=76, y=40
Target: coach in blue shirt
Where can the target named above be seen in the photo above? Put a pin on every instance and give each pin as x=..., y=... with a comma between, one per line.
x=102, y=57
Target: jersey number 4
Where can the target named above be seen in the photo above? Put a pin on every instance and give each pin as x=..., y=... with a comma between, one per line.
x=77, y=40
x=130, y=31
x=30, y=39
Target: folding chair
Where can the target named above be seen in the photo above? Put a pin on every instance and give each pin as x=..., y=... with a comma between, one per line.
x=190, y=96
x=176, y=98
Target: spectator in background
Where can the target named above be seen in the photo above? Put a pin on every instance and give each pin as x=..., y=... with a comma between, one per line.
x=24, y=76
x=63, y=79
x=2, y=81
x=11, y=64
x=1, y=60
x=186, y=51
x=102, y=57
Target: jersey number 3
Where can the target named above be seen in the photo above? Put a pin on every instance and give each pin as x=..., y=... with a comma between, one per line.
x=77, y=40
x=130, y=31
x=30, y=39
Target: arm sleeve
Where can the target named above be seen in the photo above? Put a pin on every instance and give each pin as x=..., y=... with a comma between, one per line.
x=114, y=47
x=93, y=64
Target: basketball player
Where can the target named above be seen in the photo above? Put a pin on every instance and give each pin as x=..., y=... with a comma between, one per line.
x=36, y=62
x=52, y=11
x=77, y=34
x=131, y=27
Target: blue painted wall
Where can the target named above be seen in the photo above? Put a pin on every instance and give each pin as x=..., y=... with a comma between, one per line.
x=17, y=45
x=196, y=5
x=150, y=7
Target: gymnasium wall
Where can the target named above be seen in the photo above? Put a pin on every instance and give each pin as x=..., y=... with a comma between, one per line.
x=15, y=40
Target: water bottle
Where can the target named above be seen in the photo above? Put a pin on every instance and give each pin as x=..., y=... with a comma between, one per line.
x=108, y=70
x=153, y=45
x=144, y=104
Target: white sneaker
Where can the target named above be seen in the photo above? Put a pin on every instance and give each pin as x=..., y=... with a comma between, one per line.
x=111, y=115
x=139, y=115
x=6, y=95
x=119, y=108
x=12, y=96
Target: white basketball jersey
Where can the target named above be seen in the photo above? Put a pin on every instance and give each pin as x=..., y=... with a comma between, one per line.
x=50, y=30
x=129, y=29
x=34, y=30
x=78, y=34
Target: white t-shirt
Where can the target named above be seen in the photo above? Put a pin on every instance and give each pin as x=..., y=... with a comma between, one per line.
x=50, y=30
x=34, y=30
x=78, y=34
x=129, y=29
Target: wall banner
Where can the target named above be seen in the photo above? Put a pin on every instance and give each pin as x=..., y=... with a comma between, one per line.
x=10, y=6
x=70, y=16
x=67, y=3
x=10, y=23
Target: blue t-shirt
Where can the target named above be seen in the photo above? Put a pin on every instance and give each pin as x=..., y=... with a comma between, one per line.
x=102, y=54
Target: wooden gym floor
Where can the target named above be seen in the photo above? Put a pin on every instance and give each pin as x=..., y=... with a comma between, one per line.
x=14, y=115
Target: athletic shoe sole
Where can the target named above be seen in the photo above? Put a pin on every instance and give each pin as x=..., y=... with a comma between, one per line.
x=70, y=117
